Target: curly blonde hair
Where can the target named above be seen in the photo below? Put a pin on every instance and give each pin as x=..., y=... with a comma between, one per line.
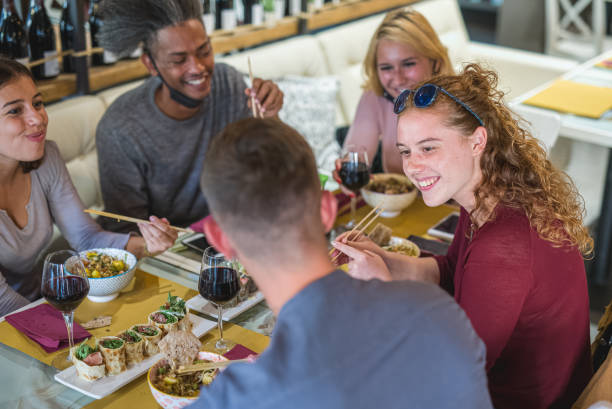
x=405, y=26
x=515, y=169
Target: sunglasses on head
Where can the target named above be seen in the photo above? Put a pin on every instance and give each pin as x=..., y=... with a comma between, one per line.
x=425, y=96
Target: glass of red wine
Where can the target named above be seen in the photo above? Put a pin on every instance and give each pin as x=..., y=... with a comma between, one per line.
x=64, y=286
x=219, y=284
x=354, y=173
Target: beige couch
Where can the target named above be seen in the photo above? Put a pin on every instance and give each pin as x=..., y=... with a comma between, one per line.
x=336, y=52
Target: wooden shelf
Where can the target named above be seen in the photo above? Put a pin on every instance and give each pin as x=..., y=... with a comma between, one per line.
x=121, y=71
x=249, y=35
x=225, y=41
x=332, y=14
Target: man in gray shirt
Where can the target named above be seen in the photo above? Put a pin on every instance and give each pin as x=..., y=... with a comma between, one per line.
x=338, y=342
x=151, y=141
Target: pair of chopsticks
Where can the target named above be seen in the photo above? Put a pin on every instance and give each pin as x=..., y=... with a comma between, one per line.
x=205, y=366
x=350, y=236
x=130, y=219
x=256, y=112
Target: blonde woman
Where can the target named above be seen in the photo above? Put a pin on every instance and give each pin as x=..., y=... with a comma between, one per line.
x=404, y=51
x=515, y=265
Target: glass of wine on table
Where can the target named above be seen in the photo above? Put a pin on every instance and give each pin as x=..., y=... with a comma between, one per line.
x=64, y=286
x=219, y=283
x=354, y=173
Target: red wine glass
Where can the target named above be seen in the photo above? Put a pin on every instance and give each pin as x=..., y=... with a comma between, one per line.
x=64, y=286
x=219, y=284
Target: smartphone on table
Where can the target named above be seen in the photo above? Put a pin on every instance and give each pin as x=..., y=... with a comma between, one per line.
x=445, y=228
x=196, y=242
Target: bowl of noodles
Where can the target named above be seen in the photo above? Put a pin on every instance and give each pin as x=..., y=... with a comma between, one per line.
x=109, y=271
x=175, y=392
x=394, y=191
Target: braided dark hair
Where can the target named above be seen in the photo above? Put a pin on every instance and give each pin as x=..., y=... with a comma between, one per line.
x=130, y=23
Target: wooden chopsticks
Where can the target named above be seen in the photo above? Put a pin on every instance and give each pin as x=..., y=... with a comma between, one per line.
x=374, y=215
x=205, y=366
x=130, y=219
x=256, y=112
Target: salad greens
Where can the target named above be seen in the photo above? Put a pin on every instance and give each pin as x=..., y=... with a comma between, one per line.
x=112, y=343
x=84, y=350
x=175, y=305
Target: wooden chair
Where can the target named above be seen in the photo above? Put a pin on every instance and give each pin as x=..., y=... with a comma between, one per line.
x=576, y=28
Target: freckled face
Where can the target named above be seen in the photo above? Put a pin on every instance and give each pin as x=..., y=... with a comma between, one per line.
x=400, y=67
x=438, y=159
x=23, y=121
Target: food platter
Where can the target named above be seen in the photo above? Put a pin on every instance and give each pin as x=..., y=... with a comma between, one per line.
x=198, y=303
x=105, y=386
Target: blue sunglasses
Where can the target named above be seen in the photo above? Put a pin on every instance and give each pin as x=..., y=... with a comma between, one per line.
x=425, y=96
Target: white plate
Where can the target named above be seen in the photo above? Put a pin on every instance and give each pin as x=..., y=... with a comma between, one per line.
x=109, y=384
x=198, y=303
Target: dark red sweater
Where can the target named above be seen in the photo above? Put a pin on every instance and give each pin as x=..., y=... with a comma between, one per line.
x=528, y=301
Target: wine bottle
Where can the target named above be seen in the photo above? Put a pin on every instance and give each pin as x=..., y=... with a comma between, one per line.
x=13, y=39
x=67, y=36
x=253, y=12
x=42, y=41
x=208, y=16
x=95, y=24
x=225, y=14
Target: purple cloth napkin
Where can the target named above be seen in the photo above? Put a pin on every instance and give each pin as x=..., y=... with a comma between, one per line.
x=45, y=325
x=239, y=352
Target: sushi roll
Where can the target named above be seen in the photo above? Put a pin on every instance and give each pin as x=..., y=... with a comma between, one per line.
x=164, y=320
x=88, y=362
x=134, y=346
x=113, y=351
x=151, y=334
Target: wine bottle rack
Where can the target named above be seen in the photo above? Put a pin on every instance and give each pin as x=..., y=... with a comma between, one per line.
x=223, y=41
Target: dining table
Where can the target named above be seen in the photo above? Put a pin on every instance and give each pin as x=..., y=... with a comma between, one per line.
x=27, y=376
x=596, y=72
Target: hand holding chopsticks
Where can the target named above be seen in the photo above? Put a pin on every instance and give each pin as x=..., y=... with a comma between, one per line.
x=256, y=112
x=266, y=98
x=130, y=219
x=351, y=235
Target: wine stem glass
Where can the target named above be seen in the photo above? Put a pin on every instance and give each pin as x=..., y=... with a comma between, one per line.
x=221, y=343
x=355, y=174
x=69, y=319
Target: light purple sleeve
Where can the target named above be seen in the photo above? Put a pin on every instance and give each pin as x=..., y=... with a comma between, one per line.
x=81, y=231
x=365, y=129
x=10, y=300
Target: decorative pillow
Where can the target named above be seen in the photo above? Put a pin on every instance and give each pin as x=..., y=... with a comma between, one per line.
x=310, y=107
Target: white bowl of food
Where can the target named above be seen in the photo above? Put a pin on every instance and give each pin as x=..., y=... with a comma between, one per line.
x=396, y=192
x=173, y=392
x=402, y=246
x=109, y=271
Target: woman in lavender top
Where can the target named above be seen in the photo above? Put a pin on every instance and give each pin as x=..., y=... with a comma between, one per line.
x=404, y=51
x=36, y=191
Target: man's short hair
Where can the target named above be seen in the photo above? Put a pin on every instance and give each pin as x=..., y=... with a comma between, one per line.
x=260, y=180
x=130, y=23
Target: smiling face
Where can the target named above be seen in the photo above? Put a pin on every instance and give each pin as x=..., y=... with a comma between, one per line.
x=184, y=57
x=23, y=121
x=443, y=163
x=400, y=67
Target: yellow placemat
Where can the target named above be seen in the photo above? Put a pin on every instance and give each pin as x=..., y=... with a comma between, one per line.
x=415, y=219
x=138, y=395
x=574, y=98
x=143, y=295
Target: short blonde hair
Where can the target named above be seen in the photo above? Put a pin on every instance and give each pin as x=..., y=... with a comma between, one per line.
x=408, y=27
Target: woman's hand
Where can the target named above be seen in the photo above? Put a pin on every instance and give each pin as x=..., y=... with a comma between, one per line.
x=158, y=236
x=364, y=264
x=268, y=97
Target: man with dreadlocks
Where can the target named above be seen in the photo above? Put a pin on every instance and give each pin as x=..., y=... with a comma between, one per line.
x=151, y=141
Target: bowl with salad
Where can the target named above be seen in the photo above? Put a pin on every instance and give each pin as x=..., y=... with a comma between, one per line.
x=109, y=271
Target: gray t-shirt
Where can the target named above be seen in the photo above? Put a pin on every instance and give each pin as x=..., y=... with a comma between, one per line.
x=345, y=343
x=53, y=199
x=150, y=163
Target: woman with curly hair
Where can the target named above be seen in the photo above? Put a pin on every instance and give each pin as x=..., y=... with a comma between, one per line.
x=515, y=265
x=403, y=51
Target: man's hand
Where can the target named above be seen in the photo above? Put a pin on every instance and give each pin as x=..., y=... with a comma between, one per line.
x=268, y=97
